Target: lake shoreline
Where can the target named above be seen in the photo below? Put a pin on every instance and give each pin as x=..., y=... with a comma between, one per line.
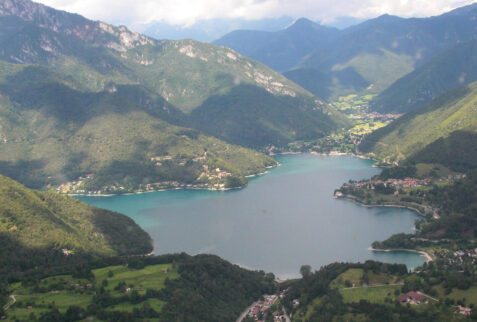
x=312, y=168
x=391, y=205
x=223, y=189
x=176, y=188
x=388, y=250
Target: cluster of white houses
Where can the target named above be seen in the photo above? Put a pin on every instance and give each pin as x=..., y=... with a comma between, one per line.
x=261, y=308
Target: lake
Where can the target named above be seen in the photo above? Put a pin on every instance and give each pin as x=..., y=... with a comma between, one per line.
x=280, y=221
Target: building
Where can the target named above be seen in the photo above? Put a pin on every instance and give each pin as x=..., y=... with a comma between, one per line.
x=412, y=298
x=464, y=310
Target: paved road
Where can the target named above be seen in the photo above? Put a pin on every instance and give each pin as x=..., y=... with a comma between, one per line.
x=244, y=313
x=287, y=318
x=9, y=305
x=369, y=286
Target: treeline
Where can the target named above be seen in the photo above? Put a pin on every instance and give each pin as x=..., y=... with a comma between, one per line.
x=208, y=289
x=319, y=302
x=397, y=241
x=130, y=174
x=401, y=172
x=316, y=284
x=457, y=204
x=458, y=152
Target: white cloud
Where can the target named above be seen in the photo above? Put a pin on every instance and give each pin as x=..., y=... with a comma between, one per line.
x=186, y=12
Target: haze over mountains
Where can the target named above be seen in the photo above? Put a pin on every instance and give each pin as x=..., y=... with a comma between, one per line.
x=366, y=58
x=213, y=29
x=209, y=30
x=448, y=70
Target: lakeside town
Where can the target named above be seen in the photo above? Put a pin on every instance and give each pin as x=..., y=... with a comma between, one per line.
x=210, y=178
x=393, y=185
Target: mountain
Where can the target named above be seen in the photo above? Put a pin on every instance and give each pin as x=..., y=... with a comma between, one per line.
x=52, y=133
x=209, y=30
x=434, y=133
x=451, y=69
x=364, y=58
x=386, y=48
x=35, y=226
x=329, y=84
x=80, y=96
x=280, y=50
x=344, y=22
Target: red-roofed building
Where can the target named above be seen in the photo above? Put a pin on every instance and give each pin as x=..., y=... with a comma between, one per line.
x=412, y=298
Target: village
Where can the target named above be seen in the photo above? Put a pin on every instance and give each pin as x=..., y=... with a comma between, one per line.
x=457, y=259
x=376, y=183
x=210, y=178
x=396, y=183
x=261, y=310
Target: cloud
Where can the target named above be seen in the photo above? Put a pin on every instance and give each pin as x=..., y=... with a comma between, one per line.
x=187, y=12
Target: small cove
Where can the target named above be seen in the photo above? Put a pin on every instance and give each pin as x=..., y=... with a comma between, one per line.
x=280, y=221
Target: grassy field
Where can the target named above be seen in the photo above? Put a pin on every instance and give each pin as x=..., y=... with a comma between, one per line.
x=139, y=280
x=352, y=102
x=366, y=127
x=378, y=290
x=65, y=291
x=128, y=307
x=374, y=294
x=38, y=303
x=353, y=275
x=470, y=294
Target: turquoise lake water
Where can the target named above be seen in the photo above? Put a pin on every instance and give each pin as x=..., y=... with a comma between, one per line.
x=280, y=221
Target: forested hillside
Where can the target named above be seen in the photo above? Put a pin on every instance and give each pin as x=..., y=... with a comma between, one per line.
x=280, y=50
x=451, y=69
x=437, y=132
x=80, y=97
x=44, y=229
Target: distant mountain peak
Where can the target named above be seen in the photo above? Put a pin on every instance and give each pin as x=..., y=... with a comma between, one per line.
x=387, y=18
x=302, y=23
x=462, y=11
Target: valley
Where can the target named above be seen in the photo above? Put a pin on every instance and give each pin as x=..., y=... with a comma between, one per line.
x=332, y=170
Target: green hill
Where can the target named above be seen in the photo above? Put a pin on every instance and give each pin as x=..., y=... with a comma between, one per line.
x=251, y=116
x=281, y=50
x=451, y=69
x=76, y=95
x=435, y=133
x=384, y=49
x=94, y=54
x=52, y=133
x=35, y=226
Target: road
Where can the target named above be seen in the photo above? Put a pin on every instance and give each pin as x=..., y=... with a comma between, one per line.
x=10, y=304
x=244, y=313
x=287, y=318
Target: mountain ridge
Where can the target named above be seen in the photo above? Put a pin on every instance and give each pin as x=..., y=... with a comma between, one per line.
x=429, y=130
x=452, y=68
x=370, y=56
x=79, y=77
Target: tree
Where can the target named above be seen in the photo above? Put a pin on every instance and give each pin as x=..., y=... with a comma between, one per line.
x=305, y=270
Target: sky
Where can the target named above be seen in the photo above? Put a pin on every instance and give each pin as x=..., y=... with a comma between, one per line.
x=187, y=12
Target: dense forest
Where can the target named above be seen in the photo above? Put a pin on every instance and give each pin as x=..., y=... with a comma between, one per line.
x=327, y=294
x=41, y=230
x=199, y=288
